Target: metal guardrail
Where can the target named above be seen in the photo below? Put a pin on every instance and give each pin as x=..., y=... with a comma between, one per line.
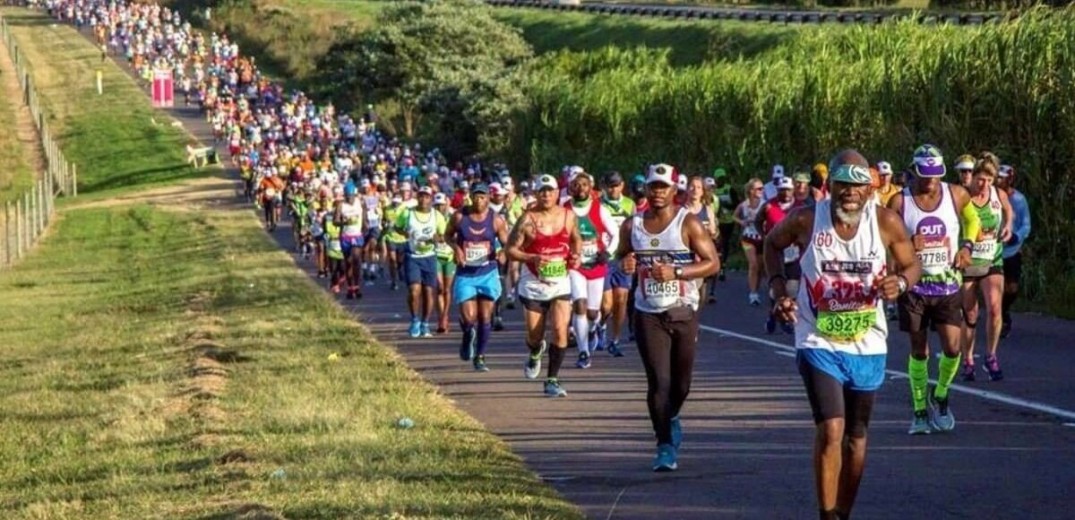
x=754, y=15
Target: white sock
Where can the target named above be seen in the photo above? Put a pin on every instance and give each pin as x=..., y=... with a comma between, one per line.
x=582, y=332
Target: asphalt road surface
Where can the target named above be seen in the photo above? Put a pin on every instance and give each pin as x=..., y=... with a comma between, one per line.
x=748, y=431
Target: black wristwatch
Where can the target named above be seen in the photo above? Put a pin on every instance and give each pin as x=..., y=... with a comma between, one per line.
x=679, y=273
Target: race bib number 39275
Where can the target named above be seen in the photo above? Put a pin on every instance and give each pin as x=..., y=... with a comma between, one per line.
x=847, y=327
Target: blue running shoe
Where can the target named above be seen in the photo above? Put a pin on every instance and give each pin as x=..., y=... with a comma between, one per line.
x=614, y=349
x=467, y=346
x=479, y=364
x=666, y=459
x=553, y=388
x=677, y=432
x=426, y=333
x=584, y=360
x=416, y=328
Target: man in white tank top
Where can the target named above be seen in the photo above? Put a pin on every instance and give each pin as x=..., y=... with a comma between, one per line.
x=672, y=253
x=840, y=328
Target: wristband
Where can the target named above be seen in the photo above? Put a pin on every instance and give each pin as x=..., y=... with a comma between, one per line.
x=968, y=245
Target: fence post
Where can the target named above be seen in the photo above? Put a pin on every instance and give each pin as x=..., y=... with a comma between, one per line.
x=8, y=252
x=74, y=180
x=22, y=226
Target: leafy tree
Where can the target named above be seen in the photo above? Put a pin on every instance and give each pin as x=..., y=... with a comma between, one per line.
x=440, y=60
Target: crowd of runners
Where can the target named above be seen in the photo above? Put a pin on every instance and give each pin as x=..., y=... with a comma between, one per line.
x=596, y=261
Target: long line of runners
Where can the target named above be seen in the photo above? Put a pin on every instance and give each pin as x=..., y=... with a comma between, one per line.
x=598, y=261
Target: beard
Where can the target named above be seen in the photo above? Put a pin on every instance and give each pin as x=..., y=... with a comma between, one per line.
x=850, y=218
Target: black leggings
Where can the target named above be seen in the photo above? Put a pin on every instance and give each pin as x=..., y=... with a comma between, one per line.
x=726, y=231
x=829, y=400
x=667, y=348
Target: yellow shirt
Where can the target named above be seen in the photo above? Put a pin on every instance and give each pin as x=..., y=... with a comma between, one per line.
x=885, y=193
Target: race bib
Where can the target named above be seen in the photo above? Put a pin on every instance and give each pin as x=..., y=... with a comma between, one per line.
x=270, y=192
x=552, y=270
x=373, y=217
x=660, y=294
x=589, y=252
x=335, y=245
x=934, y=260
x=985, y=250
x=476, y=254
x=791, y=254
x=847, y=326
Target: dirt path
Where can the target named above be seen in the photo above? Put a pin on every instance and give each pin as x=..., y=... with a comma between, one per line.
x=24, y=121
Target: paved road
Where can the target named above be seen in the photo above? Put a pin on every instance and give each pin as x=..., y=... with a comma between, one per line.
x=770, y=14
x=746, y=452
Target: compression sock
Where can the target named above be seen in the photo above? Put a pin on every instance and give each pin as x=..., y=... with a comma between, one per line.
x=918, y=369
x=581, y=324
x=556, y=358
x=946, y=372
x=484, y=329
x=468, y=333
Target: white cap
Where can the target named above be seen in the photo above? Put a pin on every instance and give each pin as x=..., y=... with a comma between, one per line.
x=778, y=170
x=365, y=183
x=546, y=181
x=662, y=173
x=575, y=171
x=506, y=183
x=440, y=198
x=396, y=199
x=784, y=183
x=884, y=168
x=1005, y=170
x=681, y=183
x=463, y=185
x=496, y=189
x=405, y=186
x=425, y=190
x=965, y=165
x=710, y=182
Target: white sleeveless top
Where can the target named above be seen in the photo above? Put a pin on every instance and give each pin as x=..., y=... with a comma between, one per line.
x=664, y=247
x=751, y=231
x=939, y=230
x=352, y=218
x=839, y=306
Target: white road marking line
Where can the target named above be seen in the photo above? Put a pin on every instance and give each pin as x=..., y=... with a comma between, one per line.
x=984, y=394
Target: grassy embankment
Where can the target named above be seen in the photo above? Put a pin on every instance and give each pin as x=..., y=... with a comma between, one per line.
x=160, y=362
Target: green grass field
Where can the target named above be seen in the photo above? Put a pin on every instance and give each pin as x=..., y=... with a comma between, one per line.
x=169, y=360
x=16, y=172
x=111, y=139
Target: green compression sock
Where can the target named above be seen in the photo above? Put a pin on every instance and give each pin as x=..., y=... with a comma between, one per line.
x=918, y=369
x=946, y=369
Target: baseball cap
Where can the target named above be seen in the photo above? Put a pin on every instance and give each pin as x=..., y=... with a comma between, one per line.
x=546, y=182
x=662, y=173
x=1005, y=170
x=928, y=161
x=464, y=185
x=884, y=168
x=778, y=170
x=397, y=199
x=681, y=183
x=614, y=179
x=784, y=183
x=481, y=187
x=575, y=172
x=719, y=172
x=365, y=183
x=506, y=183
x=405, y=186
x=439, y=199
x=850, y=173
x=710, y=182
x=965, y=162
x=801, y=177
x=425, y=190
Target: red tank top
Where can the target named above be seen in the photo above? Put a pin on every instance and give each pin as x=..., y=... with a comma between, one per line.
x=774, y=214
x=556, y=245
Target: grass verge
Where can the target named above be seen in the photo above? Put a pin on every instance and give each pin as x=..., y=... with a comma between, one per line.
x=159, y=364
x=16, y=173
x=111, y=137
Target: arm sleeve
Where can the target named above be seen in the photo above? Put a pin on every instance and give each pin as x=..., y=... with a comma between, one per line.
x=401, y=220
x=968, y=219
x=610, y=228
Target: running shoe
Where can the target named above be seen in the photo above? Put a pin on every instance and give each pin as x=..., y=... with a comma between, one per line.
x=770, y=324
x=509, y=301
x=941, y=417
x=553, y=388
x=968, y=372
x=416, y=328
x=467, y=347
x=322, y=274
x=479, y=364
x=426, y=333
x=992, y=366
x=920, y=423
x=755, y=300
x=677, y=432
x=1005, y=329
x=721, y=276
x=614, y=349
x=584, y=360
x=597, y=338
x=666, y=459
x=532, y=368
x=498, y=323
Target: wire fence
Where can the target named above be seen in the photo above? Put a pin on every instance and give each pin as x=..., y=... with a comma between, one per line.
x=26, y=217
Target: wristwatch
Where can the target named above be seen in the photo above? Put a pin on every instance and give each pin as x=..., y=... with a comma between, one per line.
x=679, y=273
x=903, y=283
